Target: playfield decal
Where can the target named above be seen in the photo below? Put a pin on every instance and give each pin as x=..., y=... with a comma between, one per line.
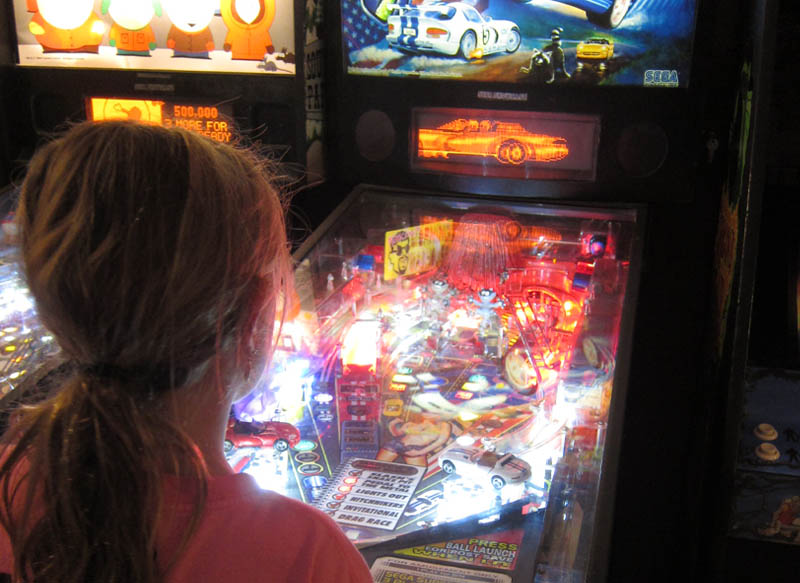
x=498, y=550
x=396, y=570
x=370, y=493
x=415, y=249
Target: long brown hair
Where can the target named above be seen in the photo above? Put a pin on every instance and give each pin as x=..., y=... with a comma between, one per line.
x=153, y=255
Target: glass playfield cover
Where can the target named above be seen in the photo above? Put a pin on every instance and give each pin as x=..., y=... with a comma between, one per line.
x=446, y=358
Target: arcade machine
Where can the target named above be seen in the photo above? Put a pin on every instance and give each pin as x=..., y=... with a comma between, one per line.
x=199, y=65
x=491, y=368
x=228, y=70
x=756, y=485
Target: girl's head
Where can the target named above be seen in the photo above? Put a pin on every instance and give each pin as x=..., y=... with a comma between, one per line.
x=157, y=259
x=152, y=251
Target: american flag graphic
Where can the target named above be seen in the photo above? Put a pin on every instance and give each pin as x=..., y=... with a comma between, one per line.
x=360, y=26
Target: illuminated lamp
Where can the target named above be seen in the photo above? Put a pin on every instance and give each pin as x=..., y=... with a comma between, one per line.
x=474, y=387
x=467, y=416
x=465, y=440
x=593, y=245
x=436, y=32
x=305, y=445
x=132, y=14
x=360, y=344
x=66, y=15
x=191, y=16
x=248, y=10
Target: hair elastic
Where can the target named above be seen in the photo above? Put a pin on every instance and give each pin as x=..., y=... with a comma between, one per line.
x=157, y=377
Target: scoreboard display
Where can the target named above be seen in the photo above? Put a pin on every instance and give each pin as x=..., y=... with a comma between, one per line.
x=212, y=121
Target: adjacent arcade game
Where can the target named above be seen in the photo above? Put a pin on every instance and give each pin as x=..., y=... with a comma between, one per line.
x=492, y=369
x=756, y=475
x=230, y=70
x=24, y=342
x=224, y=69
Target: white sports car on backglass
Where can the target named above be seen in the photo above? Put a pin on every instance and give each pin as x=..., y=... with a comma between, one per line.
x=450, y=28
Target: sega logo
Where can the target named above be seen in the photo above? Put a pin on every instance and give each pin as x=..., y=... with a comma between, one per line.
x=661, y=77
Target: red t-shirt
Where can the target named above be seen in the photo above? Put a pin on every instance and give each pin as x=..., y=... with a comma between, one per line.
x=247, y=534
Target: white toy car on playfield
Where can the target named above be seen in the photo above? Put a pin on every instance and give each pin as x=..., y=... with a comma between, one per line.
x=482, y=464
x=450, y=28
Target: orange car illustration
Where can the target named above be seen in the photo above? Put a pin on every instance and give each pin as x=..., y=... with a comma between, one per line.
x=509, y=142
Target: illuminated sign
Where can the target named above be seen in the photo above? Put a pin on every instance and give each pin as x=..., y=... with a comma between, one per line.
x=211, y=121
x=509, y=143
x=505, y=144
x=226, y=36
x=532, y=43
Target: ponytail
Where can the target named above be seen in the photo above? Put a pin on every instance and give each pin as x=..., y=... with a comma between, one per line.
x=155, y=257
x=94, y=512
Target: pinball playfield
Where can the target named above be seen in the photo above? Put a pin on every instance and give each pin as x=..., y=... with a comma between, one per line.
x=443, y=358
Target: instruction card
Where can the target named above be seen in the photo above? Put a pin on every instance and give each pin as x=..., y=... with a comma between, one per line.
x=370, y=493
x=396, y=570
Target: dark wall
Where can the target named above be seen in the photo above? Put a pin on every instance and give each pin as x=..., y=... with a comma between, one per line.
x=774, y=334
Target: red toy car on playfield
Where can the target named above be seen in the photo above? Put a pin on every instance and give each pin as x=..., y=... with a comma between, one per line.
x=276, y=434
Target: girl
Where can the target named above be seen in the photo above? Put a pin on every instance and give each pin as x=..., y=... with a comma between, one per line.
x=158, y=259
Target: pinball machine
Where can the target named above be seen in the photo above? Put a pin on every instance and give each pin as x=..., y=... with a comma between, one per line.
x=487, y=372
x=449, y=366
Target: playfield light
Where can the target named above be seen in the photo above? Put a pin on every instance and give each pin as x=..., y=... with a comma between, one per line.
x=465, y=440
x=489, y=519
x=467, y=416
